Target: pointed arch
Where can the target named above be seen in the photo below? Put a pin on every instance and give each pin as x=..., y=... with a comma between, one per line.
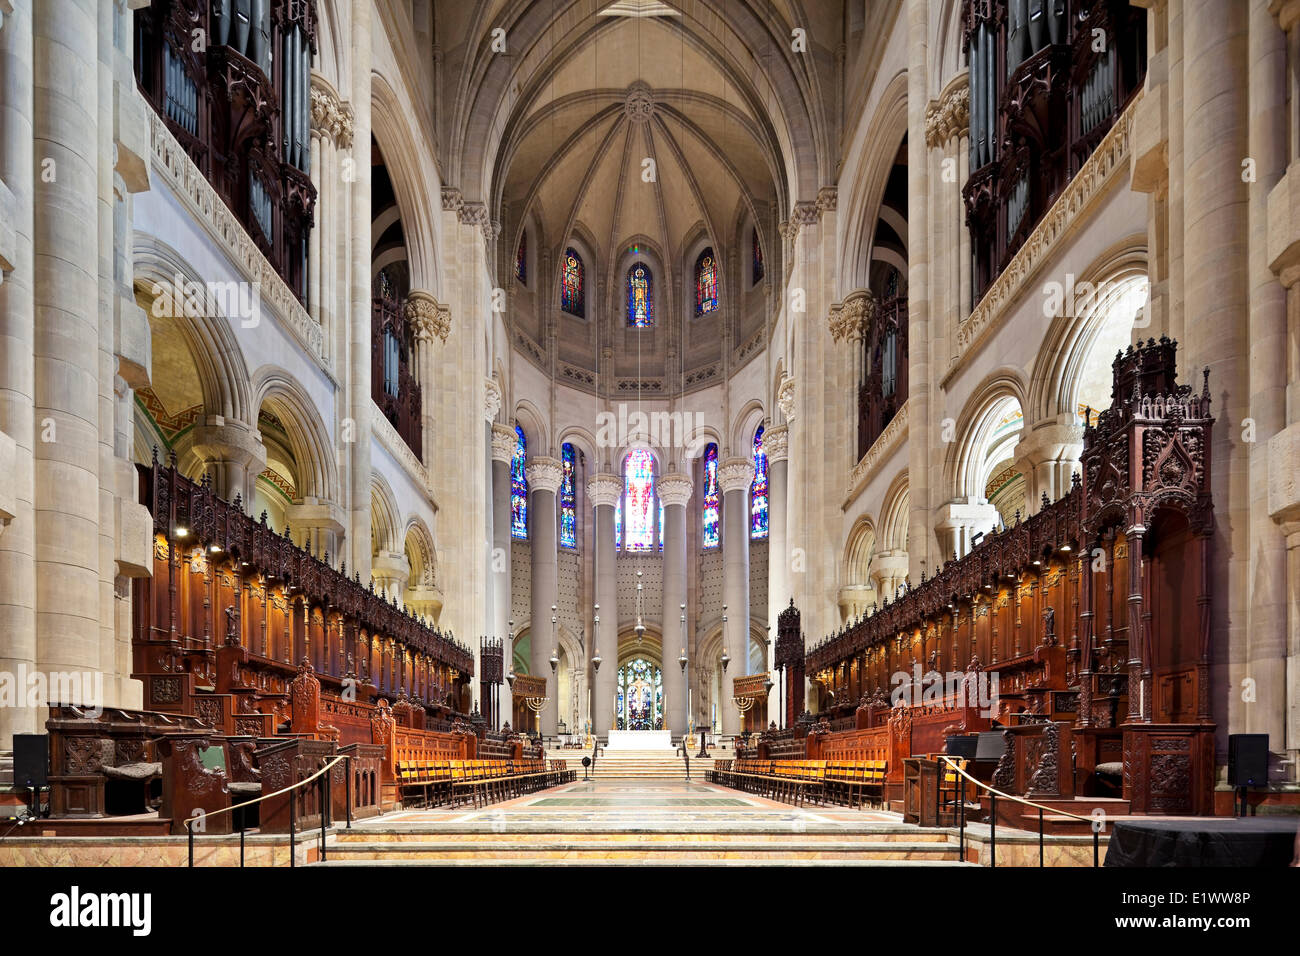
x=309, y=440
x=384, y=516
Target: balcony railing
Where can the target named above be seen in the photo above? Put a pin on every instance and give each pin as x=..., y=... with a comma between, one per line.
x=232, y=81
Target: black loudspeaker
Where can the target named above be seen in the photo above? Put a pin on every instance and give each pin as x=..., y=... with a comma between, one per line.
x=963, y=747
x=31, y=761
x=1248, y=760
x=991, y=745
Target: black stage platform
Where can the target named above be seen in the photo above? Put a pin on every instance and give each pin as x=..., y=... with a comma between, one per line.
x=1213, y=841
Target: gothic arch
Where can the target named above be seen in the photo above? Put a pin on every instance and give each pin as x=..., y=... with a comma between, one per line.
x=384, y=516
x=1073, y=336
x=746, y=424
x=310, y=442
x=218, y=358
x=530, y=418
x=966, y=464
x=421, y=554
x=858, y=552
x=894, y=515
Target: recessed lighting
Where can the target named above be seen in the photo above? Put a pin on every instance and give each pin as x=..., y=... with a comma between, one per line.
x=182, y=532
x=215, y=548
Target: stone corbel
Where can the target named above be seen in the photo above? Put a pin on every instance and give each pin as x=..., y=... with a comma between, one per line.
x=491, y=399
x=776, y=443
x=851, y=318
x=948, y=117
x=785, y=397
x=604, y=489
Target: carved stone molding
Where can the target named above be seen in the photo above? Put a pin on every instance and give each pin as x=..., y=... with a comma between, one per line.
x=851, y=318
x=1107, y=162
x=604, y=489
x=544, y=474
x=491, y=399
x=426, y=316
x=735, y=474
x=675, y=489
x=504, y=440
x=785, y=394
x=776, y=443
x=396, y=446
x=881, y=450
x=949, y=116
x=451, y=200
x=828, y=198
x=472, y=214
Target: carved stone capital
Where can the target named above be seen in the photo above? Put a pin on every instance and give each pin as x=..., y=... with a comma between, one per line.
x=776, y=443
x=675, y=489
x=735, y=474
x=948, y=116
x=828, y=198
x=806, y=213
x=473, y=214
x=450, y=199
x=426, y=316
x=851, y=318
x=504, y=440
x=604, y=489
x=785, y=397
x=544, y=474
x=491, y=399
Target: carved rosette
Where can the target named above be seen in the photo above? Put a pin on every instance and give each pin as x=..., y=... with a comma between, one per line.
x=776, y=443
x=735, y=474
x=785, y=394
x=640, y=103
x=604, y=490
x=675, y=489
x=423, y=313
x=545, y=474
x=503, y=443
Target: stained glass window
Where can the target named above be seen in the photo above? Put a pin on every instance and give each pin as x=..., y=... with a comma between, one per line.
x=618, y=524
x=568, y=510
x=639, y=702
x=640, y=297
x=706, y=282
x=521, y=258
x=661, y=524
x=758, y=258
x=639, y=496
x=572, y=291
x=711, y=502
x=519, y=487
x=758, y=491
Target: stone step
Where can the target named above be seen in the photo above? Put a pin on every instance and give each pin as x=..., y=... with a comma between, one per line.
x=486, y=836
x=490, y=861
x=648, y=852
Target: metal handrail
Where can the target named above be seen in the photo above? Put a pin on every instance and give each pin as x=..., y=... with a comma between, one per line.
x=292, y=812
x=994, y=793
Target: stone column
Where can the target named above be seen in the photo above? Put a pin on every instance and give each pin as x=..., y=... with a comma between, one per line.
x=233, y=454
x=390, y=572
x=544, y=478
x=603, y=491
x=888, y=571
x=1047, y=455
x=1216, y=112
x=317, y=527
x=503, y=452
x=360, y=405
x=735, y=475
x=66, y=266
x=17, y=327
x=674, y=492
x=431, y=322
x=776, y=442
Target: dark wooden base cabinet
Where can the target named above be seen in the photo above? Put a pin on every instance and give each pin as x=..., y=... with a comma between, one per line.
x=1169, y=768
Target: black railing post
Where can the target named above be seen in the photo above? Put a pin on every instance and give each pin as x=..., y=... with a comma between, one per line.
x=324, y=804
x=241, y=842
x=1096, y=845
x=1040, y=836
x=961, y=839
x=993, y=828
x=348, y=764
x=293, y=819
x=189, y=825
x=938, y=795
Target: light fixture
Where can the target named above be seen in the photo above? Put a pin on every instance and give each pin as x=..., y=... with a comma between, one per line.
x=726, y=659
x=215, y=549
x=1065, y=547
x=182, y=532
x=555, y=660
x=682, y=659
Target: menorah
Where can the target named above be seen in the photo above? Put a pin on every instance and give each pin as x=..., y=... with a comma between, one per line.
x=535, y=704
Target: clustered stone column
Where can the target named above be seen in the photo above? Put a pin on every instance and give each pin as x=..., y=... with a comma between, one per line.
x=776, y=443
x=674, y=492
x=544, y=477
x=603, y=491
x=735, y=475
x=503, y=452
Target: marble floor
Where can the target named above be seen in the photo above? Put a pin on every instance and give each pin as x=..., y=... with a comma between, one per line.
x=637, y=806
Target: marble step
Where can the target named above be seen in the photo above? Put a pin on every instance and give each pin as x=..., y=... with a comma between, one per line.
x=649, y=852
x=489, y=861
x=486, y=836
